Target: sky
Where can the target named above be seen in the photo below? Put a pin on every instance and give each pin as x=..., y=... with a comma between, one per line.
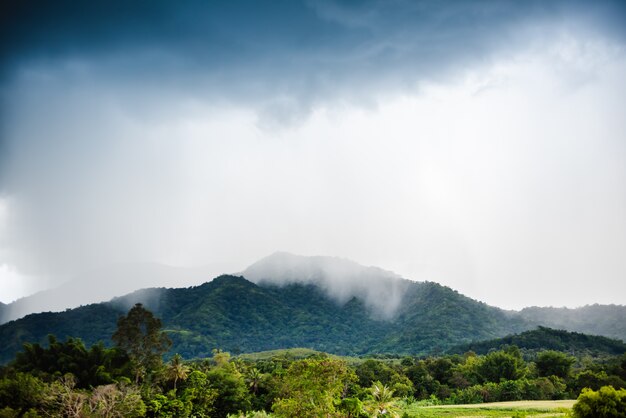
x=477, y=144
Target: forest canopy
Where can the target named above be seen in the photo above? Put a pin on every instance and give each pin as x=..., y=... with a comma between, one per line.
x=136, y=378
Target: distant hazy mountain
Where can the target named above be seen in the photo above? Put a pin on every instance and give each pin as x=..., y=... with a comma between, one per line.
x=323, y=303
x=607, y=320
x=106, y=283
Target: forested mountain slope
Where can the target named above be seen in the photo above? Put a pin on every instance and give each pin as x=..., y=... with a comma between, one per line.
x=103, y=284
x=323, y=303
x=237, y=315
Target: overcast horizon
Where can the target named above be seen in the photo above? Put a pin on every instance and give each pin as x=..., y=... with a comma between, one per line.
x=476, y=144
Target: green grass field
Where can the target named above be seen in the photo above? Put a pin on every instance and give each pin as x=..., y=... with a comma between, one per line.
x=544, y=409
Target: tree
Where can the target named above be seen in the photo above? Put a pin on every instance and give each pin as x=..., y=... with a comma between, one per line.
x=554, y=363
x=423, y=382
x=507, y=365
x=605, y=403
x=116, y=401
x=595, y=380
x=94, y=367
x=65, y=400
x=177, y=369
x=22, y=392
x=139, y=334
x=311, y=388
x=352, y=407
x=231, y=387
x=440, y=368
x=197, y=389
x=371, y=371
x=382, y=402
x=253, y=377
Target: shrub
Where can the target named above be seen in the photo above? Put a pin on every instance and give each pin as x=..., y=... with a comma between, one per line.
x=605, y=403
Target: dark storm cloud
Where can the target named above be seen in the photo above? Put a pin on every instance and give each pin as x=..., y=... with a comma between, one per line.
x=283, y=57
x=127, y=128
x=301, y=48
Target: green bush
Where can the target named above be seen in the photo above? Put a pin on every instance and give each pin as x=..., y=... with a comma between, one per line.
x=472, y=394
x=605, y=403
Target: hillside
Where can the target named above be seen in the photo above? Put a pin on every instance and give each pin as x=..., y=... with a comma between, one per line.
x=607, y=320
x=105, y=283
x=237, y=315
x=321, y=303
x=544, y=338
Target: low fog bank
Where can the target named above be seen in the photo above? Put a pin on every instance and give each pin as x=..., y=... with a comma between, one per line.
x=149, y=297
x=108, y=282
x=341, y=279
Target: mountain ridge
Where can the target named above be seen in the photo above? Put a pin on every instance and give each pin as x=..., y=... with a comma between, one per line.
x=268, y=316
x=296, y=308
x=103, y=284
x=544, y=338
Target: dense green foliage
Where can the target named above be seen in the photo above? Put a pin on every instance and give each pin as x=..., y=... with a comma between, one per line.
x=430, y=319
x=139, y=334
x=67, y=379
x=91, y=323
x=311, y=387
x=284, y=386
x=91, y=367
x=544, y=338
x=605, y=403
x=554, y=363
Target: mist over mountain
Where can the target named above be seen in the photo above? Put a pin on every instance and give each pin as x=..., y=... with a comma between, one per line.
x=236, y=315
x=598, y=319
x=103, y=284
x=341, y=279
x=292, y=304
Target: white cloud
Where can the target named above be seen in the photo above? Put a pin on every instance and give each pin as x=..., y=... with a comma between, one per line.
x=13, y=284
x=509, y=177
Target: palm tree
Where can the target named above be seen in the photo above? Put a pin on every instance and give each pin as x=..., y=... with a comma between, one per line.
x=177, y=369
x=254, y=378
x=382, y=403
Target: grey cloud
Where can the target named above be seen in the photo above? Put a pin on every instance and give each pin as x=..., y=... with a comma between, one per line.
x=341, y=279
x=96, y=98
x=303, y=51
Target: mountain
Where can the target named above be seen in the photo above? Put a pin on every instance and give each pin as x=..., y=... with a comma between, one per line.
x=323, y=303
x=544, y=338
x=237, y=315
x=590, y=319
x=105, y=283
